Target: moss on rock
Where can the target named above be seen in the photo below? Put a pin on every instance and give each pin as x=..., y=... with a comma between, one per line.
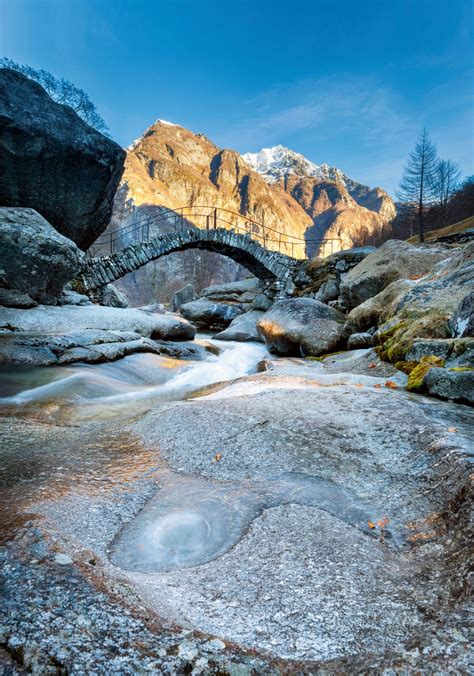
x=417, y=375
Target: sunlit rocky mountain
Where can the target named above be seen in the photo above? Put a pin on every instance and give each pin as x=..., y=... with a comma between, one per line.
x=339, y=207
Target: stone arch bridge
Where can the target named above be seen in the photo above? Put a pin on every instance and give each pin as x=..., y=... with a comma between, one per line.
x=237, y=241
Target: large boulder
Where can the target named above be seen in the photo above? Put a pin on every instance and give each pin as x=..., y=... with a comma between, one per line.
x=54, y=162
x=373, y=310
x=242, y=291
x=393, y=260
x=34, y=258
x=301, y=326
x=208, y=315
x=242, y=328
x=430, y=307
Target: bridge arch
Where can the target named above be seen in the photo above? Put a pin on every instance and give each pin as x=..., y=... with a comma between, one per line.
x=260, y=261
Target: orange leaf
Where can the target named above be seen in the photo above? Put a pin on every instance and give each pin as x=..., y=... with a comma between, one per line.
x=391, y=384
x=217, y=457
x=370, y=524
x=452, y=429
x=381, y=523
x=372, y=365
x=378, y=386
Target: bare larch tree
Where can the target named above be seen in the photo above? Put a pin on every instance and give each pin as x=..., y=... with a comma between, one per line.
x=417, y=186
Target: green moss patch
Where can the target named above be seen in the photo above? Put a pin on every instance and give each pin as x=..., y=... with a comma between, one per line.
x=415, y=379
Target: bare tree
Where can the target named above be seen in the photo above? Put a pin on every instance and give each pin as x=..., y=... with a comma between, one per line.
x=447, y=178
x=62, y=91
x=417, y=184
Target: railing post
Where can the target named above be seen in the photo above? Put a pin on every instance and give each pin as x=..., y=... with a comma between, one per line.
x=215, y=218
x=207, y=222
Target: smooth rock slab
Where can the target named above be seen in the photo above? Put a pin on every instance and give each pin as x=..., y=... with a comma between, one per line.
x=67, y=319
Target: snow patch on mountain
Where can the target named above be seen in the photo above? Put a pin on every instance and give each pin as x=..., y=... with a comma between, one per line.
x=278, y=162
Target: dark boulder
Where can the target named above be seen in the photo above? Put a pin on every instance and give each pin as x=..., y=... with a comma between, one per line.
x=207, y=315
x=34, y=258
x=52, y=161
x=301, y=326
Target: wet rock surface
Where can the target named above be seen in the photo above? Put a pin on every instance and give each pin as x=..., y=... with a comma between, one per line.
x=66, y=319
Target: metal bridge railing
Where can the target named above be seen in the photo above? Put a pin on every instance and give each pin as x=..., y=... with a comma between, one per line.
x=210, y=218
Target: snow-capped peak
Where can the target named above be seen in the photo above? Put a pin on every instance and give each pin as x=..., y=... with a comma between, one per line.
x=169, y=124
x=278, y=162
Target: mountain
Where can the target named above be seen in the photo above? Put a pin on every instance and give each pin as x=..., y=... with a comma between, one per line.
x=170, y=166
x=339, y=207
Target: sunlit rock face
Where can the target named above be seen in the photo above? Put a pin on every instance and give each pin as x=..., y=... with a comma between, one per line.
x=301, y=326
x=340, y=208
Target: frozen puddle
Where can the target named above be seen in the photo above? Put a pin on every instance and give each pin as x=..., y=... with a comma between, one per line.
x=193, y=521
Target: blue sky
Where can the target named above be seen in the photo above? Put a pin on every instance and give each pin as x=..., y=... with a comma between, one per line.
x=347, y=83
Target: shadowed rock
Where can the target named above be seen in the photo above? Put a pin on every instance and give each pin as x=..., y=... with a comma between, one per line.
x=54, y=162
x=34, y=258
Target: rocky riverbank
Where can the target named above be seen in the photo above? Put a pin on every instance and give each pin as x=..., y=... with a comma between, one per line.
x=339, y=505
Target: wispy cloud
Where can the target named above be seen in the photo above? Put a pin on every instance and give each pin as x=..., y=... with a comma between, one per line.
x=361, y=124
x=361, y=106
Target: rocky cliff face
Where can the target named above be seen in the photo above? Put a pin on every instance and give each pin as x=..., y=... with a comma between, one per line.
x=340, y=208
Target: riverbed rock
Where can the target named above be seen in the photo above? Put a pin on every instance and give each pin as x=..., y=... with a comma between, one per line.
x=242, y=328
x=372, y=311
x=184, y=295
x=71, y=318
x=209, y=315
x=395, y=259
x=301, y=326
x=453, y=384
x=242, y=291
x=359, y=340
x=15, y=298
x=34, y=258
x=110, y=296
x=53, y=162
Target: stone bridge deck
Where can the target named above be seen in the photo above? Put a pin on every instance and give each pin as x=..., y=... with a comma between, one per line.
x=260, y=261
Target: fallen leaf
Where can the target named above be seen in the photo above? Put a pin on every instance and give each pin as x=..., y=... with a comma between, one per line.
x=381, y=523
x=452, y=429
x=378, y=386
x=372, y=365
x=217, y=457
x=391, y=384
x=370, y=524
